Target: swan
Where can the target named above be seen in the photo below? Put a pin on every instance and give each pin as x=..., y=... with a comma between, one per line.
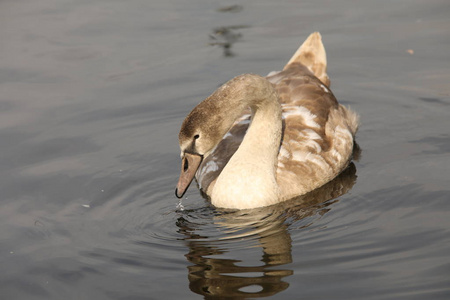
x=257, y=141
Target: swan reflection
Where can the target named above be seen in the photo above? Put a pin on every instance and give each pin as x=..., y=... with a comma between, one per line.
x=246, y=254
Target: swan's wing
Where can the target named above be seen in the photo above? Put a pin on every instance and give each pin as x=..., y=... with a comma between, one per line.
x=317, y=137
x=212, y=165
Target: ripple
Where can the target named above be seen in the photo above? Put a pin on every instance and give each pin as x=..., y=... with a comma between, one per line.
x=248, y=251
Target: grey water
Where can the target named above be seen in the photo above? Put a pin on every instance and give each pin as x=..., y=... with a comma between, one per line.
x=93, y=93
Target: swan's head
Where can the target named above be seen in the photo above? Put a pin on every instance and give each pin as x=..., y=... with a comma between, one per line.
x=200, y=132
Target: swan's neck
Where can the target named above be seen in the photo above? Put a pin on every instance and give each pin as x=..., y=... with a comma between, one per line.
x=249, y=178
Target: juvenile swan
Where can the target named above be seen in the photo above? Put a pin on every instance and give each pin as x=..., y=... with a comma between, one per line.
x=257, y=141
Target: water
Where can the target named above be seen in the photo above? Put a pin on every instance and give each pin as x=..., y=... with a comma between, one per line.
x=92, y=94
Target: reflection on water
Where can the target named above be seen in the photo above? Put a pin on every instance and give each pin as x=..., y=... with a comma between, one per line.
x=216, y=273
x=225, y=37
x=231, y=9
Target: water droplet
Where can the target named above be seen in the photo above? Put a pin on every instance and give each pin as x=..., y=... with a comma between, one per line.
x=180, y=205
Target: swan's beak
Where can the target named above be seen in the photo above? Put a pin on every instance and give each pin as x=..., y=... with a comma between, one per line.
x=189, y=167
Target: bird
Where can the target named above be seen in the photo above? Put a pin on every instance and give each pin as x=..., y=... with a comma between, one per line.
x=257, y=141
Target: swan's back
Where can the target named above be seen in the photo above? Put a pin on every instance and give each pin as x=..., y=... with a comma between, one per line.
x=318, y=132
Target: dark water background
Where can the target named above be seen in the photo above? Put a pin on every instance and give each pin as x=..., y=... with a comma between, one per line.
x=92, y=94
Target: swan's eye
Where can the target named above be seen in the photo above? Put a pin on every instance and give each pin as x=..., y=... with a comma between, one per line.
x=196, y=136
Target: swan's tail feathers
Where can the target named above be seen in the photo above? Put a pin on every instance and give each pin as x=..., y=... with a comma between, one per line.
x=312, y=55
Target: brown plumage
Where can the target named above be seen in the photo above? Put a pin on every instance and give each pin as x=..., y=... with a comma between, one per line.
x=311, y=145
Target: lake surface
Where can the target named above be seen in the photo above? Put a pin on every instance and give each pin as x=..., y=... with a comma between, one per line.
x=93, y=93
